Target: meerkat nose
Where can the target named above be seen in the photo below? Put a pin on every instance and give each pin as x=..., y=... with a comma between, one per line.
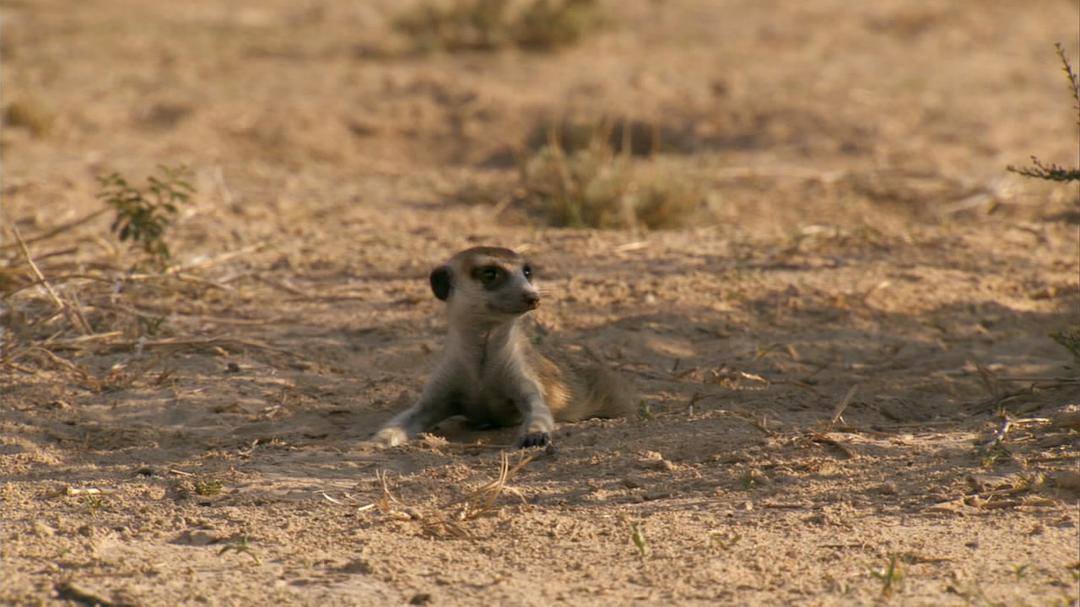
x=531, y=299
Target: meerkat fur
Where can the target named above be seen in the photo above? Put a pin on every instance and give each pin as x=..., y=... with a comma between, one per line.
x=491, y=371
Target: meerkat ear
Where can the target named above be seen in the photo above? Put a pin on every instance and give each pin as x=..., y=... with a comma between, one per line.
x=440, y=282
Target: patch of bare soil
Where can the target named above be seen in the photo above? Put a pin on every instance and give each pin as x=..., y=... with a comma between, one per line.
x=850, y=392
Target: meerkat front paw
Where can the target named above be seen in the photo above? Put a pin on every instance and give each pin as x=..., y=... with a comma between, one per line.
x=534, y=439
x=390, y=437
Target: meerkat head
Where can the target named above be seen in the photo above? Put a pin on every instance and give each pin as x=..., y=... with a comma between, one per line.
x=489, y=283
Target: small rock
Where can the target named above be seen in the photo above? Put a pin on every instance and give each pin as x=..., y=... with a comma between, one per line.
x=1046, y=293
x=888, y=488
x=1067, y=479
x=77, y=593
x=421, y=598
x=197, y=537
x=654, y=461
x=656, y=494
x=666, y=466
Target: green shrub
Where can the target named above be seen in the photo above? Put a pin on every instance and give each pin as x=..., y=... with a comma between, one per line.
x=486, y=25
x=1051, y=171
x=142, y=215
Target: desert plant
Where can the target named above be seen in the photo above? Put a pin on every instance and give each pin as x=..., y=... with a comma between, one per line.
x=637, y=536
x=599, y=188
x=30, y=115
x=645, y=412
x=1069, y=339
x=475, y=25
x=142, y=215
x=1051, y=171
x=485, y=25
x=208, y=487
x=241, y=545
x=891, y=575
x=642, y=137
x=547, y=24
x=94, y=503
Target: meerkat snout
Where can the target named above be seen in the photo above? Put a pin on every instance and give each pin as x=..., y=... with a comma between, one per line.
x=491, y=370
x=531, y=299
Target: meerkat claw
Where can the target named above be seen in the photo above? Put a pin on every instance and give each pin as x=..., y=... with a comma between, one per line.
x=534, y=439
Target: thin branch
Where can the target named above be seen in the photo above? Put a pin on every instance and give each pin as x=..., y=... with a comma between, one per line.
x=59, y=229
x=76, y=319
x=37, y=271
x=1049, y=172
x=1074, y=82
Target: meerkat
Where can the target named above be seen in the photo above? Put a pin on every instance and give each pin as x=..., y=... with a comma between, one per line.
x=491, y=371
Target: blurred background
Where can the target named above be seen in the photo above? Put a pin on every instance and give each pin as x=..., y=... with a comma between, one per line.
x=765, y=114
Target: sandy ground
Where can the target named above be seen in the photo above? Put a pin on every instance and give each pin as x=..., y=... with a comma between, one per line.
x=863, y=246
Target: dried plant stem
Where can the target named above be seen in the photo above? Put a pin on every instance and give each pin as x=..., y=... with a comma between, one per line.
x=76, y=318
x=37, y=271
x=211, y=261
x=61, y=361
x=157, y=313
x=76, y=310
x=77, y=342
x=483, y=499
x=57, y=230
x=447, y=519
x=838, y=412
x=56, y=279
x=210, y=342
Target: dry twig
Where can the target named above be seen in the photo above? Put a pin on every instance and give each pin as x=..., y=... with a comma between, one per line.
x=77, y=320
x=57, y=230
x=838, y=412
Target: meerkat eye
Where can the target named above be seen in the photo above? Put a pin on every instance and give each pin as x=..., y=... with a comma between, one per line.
x=488, y=274
x=527, y=271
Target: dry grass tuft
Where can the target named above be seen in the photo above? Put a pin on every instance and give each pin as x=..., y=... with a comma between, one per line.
x=487, y=25
x=446, y=521
x=596, y=187
x=29, y=115
x=638, y=137
x=891, y=575
x=548, y=24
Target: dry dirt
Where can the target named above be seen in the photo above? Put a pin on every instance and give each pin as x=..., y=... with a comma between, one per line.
x=203, y=442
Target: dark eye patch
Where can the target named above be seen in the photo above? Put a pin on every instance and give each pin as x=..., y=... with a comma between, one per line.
x=527, y=271
x=489, y=276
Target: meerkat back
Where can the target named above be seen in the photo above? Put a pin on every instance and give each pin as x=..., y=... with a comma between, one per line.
x=578, y=386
